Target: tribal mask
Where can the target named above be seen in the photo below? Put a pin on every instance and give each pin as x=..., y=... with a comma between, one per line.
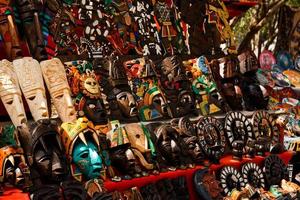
x=46, y=151
x=10, y=93
x=57, y=84
x=32, y=84
x=83, y=149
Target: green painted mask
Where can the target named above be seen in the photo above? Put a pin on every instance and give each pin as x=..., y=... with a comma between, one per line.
x=87, y=159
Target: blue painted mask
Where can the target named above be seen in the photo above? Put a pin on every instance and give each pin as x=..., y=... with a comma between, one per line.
x=87, y=159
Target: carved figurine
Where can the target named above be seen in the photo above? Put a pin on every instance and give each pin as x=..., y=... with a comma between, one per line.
x=31, y=25
x=32, y=84
x=45, y=156
x=8, y=31
x=13, y=167
x=10, y=93
x=176, y=87
x=152, y=104
x=57, y=84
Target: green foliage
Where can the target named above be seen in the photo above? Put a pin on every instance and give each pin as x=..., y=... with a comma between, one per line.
x=294, y=3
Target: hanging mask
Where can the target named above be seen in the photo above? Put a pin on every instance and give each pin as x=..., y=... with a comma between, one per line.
x=13, y=167
x=10, y=93
x=46, y=150
x=32, y=84
x=168, y=144
x=94, y=110
x=156, y=103
x=57, y=84
x=83, y=150
x=12, y=164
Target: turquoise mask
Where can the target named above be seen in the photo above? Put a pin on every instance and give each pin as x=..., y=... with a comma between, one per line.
x=87, y=160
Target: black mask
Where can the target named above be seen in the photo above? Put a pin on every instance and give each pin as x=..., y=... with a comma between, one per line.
x=94, y=110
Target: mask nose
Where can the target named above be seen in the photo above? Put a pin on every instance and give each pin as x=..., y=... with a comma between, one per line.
x=56, y=165
x=95, y=158
x=19, y=177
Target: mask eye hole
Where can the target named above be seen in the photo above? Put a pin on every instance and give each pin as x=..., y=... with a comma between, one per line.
x=84, y=155
x=31, y=98
x=137, y=136
x=60, y=96
x=123, y=98
x=10, y=102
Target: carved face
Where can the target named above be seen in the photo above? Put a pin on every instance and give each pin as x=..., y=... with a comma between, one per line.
x=57, y=84
x=185, y=102
x=194, y=149
x=10, y=93
x=31, y=81
x=87, y=159
x=12, y=165
x=170, y=68
x=92, y=86
x=127, y=104
x=48, y=159
x=168, y=145
x=95, y=111
x=136, y=137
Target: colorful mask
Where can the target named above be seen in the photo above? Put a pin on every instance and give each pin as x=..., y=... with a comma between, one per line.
x=10, y=93
x=57, y=84
x=46, y=151
x=83, y=150
x=13, y=168
x=176, y=87
x=32, y=84
x=123, y=105
x=141, y=143
x=151, y=102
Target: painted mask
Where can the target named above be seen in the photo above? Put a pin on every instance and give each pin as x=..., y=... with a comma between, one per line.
x=126, y=103
x=57, y=84
x=10, y=93
x=47, y=152
x=32, y=84
x=168, y=144
x=141, y=143
x=157, y=103
x=83, y=149
x=12, y=165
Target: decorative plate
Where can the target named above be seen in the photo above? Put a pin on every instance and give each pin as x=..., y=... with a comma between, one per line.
x=275, y=170
x=266, y=60
x=284, y=60
x=265, y=125
x=238, y=127
x=230, y=179
x=210, y=133
x=253, y=175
